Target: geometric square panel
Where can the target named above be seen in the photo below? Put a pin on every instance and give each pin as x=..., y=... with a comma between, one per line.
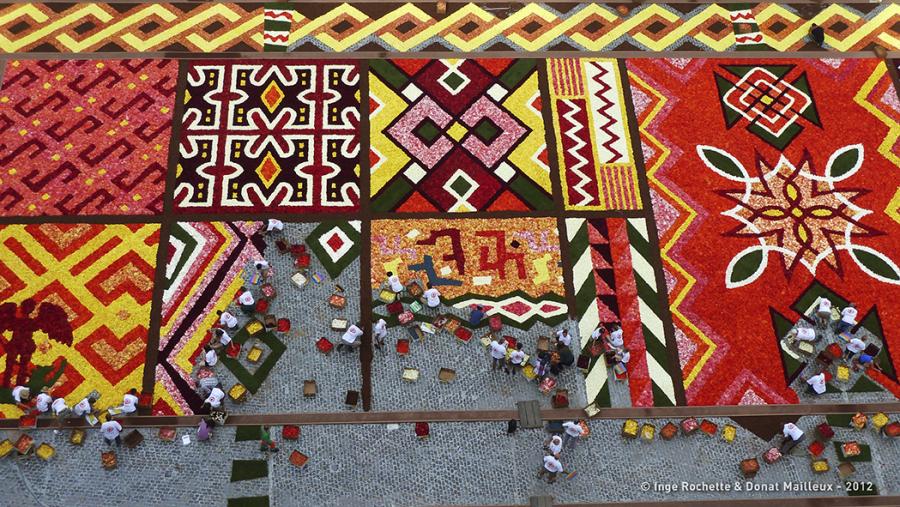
x=275, y=136
x=85, y=137
x=457, y=135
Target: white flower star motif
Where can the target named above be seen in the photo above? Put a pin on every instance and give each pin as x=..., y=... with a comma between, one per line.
x=791, y=210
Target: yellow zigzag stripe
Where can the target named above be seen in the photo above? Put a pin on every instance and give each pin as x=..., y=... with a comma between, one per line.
x=797, y=37
x=886, y=146
x=691, y=214
x=499, y=27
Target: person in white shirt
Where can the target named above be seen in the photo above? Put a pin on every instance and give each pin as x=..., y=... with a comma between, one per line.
x=573, y=432
x=854, y=347
x=129, y=402
x=350, y=339
x=394, y=283
x=214, y=400
x=823, y=312
x=42, y=402
x=110, y=431
x=792, y=436
x=21, y=394
x=554, y=445
x=83, y=407
x=379, y=332
x=247, y=302
x=227, y=319
x=563, y=338
x=498, y=353
x=551, y=467
x=262, y=266
x=806, y=334
x=59, y=407
x=516, y=359
x=848, y=319
x=432, y=297
x=274, y=225
x=622, y=358
x=223, y=337
x=817, y=383
x=616, y=338
x=210, y=358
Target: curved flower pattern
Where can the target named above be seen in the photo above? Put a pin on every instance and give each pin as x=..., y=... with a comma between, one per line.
x=793, y=211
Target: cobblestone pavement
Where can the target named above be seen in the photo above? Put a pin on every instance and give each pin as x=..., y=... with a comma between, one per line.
x=310, y=316
x=475, y=387
x=385, y=465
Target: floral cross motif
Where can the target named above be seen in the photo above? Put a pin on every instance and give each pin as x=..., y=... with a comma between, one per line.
x=791, y=210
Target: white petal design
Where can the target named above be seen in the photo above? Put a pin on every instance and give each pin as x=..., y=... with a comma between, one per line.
x=746, y=258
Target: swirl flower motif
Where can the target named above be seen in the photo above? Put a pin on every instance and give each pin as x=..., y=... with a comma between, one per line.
x=791, y=210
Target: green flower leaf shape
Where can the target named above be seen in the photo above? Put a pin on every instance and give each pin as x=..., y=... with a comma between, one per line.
x=874, y=263
x=842, y=164
x=746, y=266
x=723, y=163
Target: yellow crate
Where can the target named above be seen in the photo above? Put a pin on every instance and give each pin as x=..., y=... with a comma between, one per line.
x=648, y=431
x=410, y=374
x=45, y=451
x=729, y=432
x=843, y=373
x=820, y=466
x=6, y=447
x=254, y=326
x=77, y=437
x=630, y=428
x=254, y=354
x=237, y=392
x=879, y=420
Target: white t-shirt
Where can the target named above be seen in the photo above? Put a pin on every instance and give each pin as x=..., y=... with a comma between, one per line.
x=81, y=408
x=246, y=298
x=856, y=346
x=215, y=397
x=498, y=350
x=59, y=406
x=395, y=284
x=228, y=320
x=791, y=430
x=625, y=357
x=17, y=393
x=110, y=429
x=129, y=403
x=573, y=429
x=211, y=357
x=596, y=334
x=351, y=335
x=380, y=329
x=555, y=445
x=848, y=315
x=42, y=402
x=261, y=264
x=225, y=339
x=552, y=464
x=806, y=334
x=274, y=225
x=564, y=338
x=615, y=338
x=432, y=297
x=818, y=383
x=824, y=305
x=516, y=357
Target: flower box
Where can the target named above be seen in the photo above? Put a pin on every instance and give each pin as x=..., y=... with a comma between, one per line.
x=254, y=326
x=630, y=429
x=268, y=291
x=879, y=420
x=415, y=307
x=337, y=301
x=846, y=470
x=167, y=434
x=843, y=373
x=298, y=459
x=406, y=317
x=648, y=432
x=238, y=393
x=386, y=296
x=27, y=421
x=351, y=399
x=77, y=437
x=824, y=431
x=427, y=327
x=729, y=433
x=299, y=280
x=290, y=432
x=446, y=375
x=451, y=324
x=709, y=427
x=254, y=354
x=108, y=460
x=339, y=324
x=668, y=431
x=772, y=455
x=45, y=451
x=486, y=340
x=585, y=429
x=410, y=374
x=24, y=444
x=859, y=421
x=6, y=447
x=816, y=448
x=414, y=289
x=689, y=426
x=749, y=467
x=820, y=466
x=324, y=345
x=402, y=346
x=133, y=439
x=851, y=449
x=464, y=335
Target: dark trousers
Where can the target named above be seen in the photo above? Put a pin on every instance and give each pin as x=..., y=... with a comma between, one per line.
x=788, y=444
x=117, y=440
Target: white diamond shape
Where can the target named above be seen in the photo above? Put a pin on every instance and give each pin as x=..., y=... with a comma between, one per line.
x=414, y=172
x=451, y=69
x=343, y=249
x=497, y=92
x=505, y=172
x=411, y=92
x=462, y=201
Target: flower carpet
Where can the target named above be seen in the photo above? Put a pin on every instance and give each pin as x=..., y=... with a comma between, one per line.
x=94, y=283
x=787, y=192
x=85, y=137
